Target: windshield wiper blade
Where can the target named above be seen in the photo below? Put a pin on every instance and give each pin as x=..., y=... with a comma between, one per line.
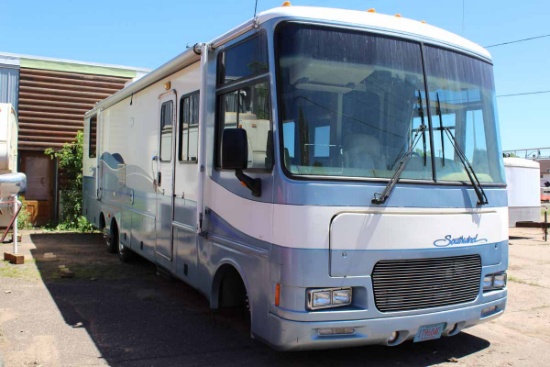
x=482, y=199
x=438, y=111
x=381, y=198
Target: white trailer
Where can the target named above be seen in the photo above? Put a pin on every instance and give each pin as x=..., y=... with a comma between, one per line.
x=337, y=173
x=523, y=179
x=8, y=152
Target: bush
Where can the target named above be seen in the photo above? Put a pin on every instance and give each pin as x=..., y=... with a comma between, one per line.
x=24, y=217
x=70, y=162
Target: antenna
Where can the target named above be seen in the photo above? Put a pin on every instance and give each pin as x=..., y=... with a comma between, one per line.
x=463, y=6
x=255, y=9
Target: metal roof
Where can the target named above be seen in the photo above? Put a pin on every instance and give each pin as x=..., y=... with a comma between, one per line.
x=48, y=63
x=371, y=20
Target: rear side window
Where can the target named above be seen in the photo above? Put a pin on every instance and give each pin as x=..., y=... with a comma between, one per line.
x=189, y=128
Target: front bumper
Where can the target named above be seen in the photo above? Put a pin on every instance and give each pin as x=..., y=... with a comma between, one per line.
x=298, y=335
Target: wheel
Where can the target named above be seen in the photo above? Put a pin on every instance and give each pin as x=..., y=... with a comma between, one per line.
x=112, y=238
x=234, y=302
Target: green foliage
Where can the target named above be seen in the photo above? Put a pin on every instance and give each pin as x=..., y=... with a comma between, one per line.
x=70, y=162
x=24, y=217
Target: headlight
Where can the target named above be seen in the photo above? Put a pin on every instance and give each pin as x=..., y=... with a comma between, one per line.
x=494, y=281
x=499, y=280
x=328, y=298
x=321, y=299
x=488, y=282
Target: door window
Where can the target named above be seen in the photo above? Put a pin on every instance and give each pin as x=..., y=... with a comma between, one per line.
x=166, y=122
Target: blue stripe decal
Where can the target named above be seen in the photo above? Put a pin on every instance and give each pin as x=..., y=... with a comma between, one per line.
x=279, y=189
x=408, y=195
x=216, y=225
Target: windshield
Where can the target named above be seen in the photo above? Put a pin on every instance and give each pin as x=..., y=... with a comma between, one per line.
x=352, y=104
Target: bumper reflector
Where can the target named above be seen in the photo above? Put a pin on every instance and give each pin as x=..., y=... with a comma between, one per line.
x=336, y=331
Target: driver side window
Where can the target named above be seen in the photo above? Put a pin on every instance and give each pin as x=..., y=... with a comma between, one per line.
x=244, y=103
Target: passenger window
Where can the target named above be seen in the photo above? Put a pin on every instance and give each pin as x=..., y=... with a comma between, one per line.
x=244, y=60
x=189, y=128
x=166, y=118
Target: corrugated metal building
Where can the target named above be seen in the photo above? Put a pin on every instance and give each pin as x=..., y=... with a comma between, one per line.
x=51, y=97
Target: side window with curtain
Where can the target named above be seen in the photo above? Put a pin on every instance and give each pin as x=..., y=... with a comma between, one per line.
x=244, y=99
x=166, y=122
x=189, y=128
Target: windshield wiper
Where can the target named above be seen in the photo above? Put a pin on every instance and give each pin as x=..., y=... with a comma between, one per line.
x=402, y=163
x=438, y=111
x=381, y=198
x=482, y=199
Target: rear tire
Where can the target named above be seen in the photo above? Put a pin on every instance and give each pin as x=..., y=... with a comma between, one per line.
x=124, y=253
x=112, y=239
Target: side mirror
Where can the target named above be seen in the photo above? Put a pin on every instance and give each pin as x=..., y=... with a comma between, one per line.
x=235, y=156
x=234, y=149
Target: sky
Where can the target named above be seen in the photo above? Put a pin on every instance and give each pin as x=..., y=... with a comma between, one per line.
x=148, y=33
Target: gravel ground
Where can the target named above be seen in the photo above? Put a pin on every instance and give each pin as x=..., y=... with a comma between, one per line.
x=72, y=304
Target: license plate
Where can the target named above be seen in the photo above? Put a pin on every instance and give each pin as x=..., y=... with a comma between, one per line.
x=429, y=332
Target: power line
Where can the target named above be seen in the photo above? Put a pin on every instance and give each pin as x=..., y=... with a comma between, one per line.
x=517, y=41
x=523, y=94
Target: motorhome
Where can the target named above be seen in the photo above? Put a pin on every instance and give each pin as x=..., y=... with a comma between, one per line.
x=336, y=173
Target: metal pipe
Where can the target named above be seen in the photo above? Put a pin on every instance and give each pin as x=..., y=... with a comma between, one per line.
x=55, y=190
x=546, y=226
x=16, y=205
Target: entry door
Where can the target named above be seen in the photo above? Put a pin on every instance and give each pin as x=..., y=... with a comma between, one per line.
x=39, y=195
x=164, y=179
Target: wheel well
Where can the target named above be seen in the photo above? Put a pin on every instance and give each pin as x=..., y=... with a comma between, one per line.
x=101, y=222
x=229, y=288
x=114, y=226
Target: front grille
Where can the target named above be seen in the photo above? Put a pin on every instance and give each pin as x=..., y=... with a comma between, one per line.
x=403, y=285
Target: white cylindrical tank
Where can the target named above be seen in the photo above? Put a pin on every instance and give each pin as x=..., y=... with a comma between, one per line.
x=523, y=179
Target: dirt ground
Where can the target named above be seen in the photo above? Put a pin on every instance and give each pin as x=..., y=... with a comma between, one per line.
x=73, y=304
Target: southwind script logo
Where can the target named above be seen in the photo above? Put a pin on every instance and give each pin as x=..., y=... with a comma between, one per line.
x=449, y=240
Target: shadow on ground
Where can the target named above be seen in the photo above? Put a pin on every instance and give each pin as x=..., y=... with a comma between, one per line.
x=137, y=318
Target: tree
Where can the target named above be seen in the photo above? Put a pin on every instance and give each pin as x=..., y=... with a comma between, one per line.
x=70, y=163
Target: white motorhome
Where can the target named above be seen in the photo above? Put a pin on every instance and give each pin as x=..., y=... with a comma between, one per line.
x=8, y=150
x=338, y=172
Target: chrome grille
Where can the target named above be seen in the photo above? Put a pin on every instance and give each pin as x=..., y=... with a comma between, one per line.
x=403, y=285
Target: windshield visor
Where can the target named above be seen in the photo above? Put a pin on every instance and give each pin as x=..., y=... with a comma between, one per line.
x=352, y=103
